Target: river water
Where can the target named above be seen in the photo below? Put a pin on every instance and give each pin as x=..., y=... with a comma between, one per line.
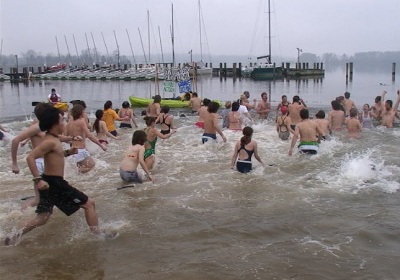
x=329, y=216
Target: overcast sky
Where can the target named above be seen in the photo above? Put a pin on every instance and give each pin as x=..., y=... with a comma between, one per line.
x=315, y=26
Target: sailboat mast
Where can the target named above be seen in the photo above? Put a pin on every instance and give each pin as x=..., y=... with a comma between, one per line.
x=95, y=48
x=141, y=41
x=87, y=44
x=76, y=49
x=130, y=44
x=148, y=32
x=201, y=47
x=116, y=41
x=104, y=41
x=69, y=54
x=1, y=49
x=269, y=32
x=173, y=37
x=58, y=50
x=162, y=53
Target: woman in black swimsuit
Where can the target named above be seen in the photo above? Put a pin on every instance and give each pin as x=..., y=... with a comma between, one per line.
x=244, y=150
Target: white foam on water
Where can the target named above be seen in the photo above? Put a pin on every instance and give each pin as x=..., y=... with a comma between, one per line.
x=362, y=172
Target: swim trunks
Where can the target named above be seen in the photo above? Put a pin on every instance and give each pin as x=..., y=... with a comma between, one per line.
x=113, y=132
x=308, y=147
x=125, y=125
x=243, y=166
x=1, y=135
x=40, y=165
x=207, y=136
x=200, y=124
x=130, y=176
x=103, y=141
x=165, y=131
x=81, y=155
x=60, y=194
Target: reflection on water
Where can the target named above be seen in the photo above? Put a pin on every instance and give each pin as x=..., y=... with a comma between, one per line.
x=334, y=215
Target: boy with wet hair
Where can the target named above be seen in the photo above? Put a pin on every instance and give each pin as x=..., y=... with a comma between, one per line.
x=53, y=189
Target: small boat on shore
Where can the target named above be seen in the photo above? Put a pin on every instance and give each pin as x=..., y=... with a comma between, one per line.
x=172, y=103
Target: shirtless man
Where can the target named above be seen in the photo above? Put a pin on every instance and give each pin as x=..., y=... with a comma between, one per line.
x=389, y=113
x=211, y=124
x=323, y=124
x=203, y=112
x=336, y=116
x=348, y=104
x=154, y=107
x=263, y=107
x=195, y=103
x=378, y=108
x=310, y=135
x=53, y=189
x=354, y=127
x=294, y=110
x=78, y=127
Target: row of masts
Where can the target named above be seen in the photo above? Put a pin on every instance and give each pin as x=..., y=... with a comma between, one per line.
x=147, y=58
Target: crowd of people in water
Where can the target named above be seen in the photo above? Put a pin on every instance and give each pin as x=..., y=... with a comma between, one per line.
x=53, y=126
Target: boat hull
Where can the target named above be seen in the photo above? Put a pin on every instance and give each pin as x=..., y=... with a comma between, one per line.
x=267, y=73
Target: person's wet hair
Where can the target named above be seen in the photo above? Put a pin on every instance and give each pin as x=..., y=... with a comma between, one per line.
x=320, y=114
x=125, y=104
x=213, y=107
x=149, y=120
x=139, y=137
x=49, y=118
x=235, y=106
x=77, y=111
x=107, y=105
x=335, y=105
x=304, y=114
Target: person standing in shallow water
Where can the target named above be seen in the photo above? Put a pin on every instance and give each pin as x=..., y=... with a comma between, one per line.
x=354, y=127
x=244, y=150
x=53, y=189
x=310, y=135
x=211, y=123
x=126, y=113
x=110, y=116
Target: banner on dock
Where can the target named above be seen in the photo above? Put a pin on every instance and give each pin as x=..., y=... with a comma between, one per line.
x=169, y=86
x=185, y=86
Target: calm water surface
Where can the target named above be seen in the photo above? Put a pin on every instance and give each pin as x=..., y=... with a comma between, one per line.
x=330, y=216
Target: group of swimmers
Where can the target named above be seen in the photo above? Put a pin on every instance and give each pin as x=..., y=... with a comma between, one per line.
x=46, y=160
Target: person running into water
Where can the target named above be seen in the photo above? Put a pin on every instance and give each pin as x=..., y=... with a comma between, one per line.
x=150, y=144
x=195, y=103
x=78, y=128
x=211, y=124
x=244, y=100
x=366, y=117
x=389, y=113
x=235, y=118
x=354, y=127
x=126, y=113
x=348, y=104
x=53, y=189
x=310, y=135
x=244, y=150
x=283, y=103
x=224, y=114
x=165, y=120
x=154, y=108
x=323, y=124
x=377, y=109
x=294, y=111
x=203, y=112
x=283, y=124
x=35, y=136
x=110, y=116
x=336, y=116
x=101, y=129
x=263, y=107
x=133, y=157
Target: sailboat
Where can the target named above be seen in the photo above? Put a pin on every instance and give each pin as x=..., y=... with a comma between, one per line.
x=201, y=68
x=265, y=70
